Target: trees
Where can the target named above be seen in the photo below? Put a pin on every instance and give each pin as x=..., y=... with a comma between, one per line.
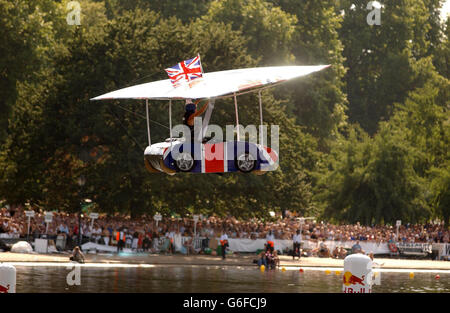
x=379, y=57
x=401, y=173
x=373, y=180
x=107, y=56
x=392, y=79
x=26, y=36
x=424, y=120
x=267, y=28
x=184, y=10
x=39, y=157
x=319, y=102
x=440, y=188
x=293, y=32
x=441, y=57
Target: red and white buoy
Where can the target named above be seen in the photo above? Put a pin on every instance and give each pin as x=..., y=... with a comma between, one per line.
x=357, y=276
x=7, y=278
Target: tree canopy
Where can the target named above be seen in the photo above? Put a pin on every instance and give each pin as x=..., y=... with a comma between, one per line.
x=366, y=140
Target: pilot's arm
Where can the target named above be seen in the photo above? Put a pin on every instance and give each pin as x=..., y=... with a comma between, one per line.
x=197, y=113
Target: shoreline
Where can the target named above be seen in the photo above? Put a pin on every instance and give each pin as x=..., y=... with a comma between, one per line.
x=207, y=260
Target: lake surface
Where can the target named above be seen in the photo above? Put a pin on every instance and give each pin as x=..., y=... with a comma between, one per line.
x=211, y=279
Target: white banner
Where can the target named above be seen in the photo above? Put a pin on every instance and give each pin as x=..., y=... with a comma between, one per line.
x=446, y=249
x=41, y=245
x=104, y=248
x=443, y=249
x=249, y=245
x=414, y=247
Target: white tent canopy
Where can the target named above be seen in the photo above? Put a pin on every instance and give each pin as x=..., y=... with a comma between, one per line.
x=214, y=84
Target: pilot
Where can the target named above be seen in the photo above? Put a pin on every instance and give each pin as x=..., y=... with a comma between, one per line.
x=77, y=255
x=191, y=113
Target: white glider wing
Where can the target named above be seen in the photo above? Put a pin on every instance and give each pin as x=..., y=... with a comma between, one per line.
x=214, y=84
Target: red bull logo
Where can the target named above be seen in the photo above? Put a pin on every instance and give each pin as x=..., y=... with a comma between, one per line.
x=354, y=284
x=350, y=279
x=4, y=289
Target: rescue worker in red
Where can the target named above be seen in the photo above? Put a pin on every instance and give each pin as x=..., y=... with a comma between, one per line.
x=270, y=241
x=191, y=112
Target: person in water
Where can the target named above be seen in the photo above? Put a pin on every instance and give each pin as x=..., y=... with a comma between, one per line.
x=77, y=255
x=191, y=112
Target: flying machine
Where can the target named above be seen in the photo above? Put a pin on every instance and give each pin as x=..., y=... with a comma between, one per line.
x=197, y=155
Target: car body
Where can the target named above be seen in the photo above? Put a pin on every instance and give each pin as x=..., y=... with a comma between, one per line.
x=178, y=155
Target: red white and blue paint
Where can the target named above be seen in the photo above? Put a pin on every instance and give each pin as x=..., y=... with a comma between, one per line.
x=216, y=157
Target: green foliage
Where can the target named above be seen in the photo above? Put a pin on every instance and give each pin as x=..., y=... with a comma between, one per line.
x=392, y=78
x=380, y=57
x=317, y=102
x=440, y=186
x=441, y=57
x=424, y=116
x=401, y=173
x=372, y=181
x=184, y=10
x=132, y=45
x=25, y=33
x=267, y=28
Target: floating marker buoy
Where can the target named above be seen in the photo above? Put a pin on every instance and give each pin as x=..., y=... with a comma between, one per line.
x=283, y=269
x=301, y=270
x=338, y=272
x=411, y=275
x=357, y=276
x=7, y=278
x=437, y=276
x=328, y=272
x=262, y=268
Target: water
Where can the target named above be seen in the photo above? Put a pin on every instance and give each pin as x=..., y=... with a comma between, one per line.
x=103, y=278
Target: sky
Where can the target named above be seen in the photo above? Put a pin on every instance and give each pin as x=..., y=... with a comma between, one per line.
x=445, y=10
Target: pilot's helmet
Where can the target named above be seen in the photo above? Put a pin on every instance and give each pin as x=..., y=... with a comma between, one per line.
x=190, y=106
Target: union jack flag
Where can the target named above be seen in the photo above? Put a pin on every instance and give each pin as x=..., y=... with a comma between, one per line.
x=188, y=70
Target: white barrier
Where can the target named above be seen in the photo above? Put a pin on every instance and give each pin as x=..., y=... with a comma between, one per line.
x=446, y=250
x=41, y=245
x=102, y=248
x=249, y=245
x=252, y=245
x=9, y=236
x=443, y=250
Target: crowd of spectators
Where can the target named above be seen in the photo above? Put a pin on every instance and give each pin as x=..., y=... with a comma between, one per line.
x=141, y=231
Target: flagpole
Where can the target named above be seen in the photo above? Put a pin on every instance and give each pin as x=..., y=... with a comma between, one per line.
x=148, y=123
x=170, y=122
x=200, y=60
x=261, y=129
x=237, y=116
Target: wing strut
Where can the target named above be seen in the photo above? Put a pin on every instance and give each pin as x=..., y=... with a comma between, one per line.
x=237, y=116
x=205, y=124
x=261, y=132
x=170, y=120
x=148, y=123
